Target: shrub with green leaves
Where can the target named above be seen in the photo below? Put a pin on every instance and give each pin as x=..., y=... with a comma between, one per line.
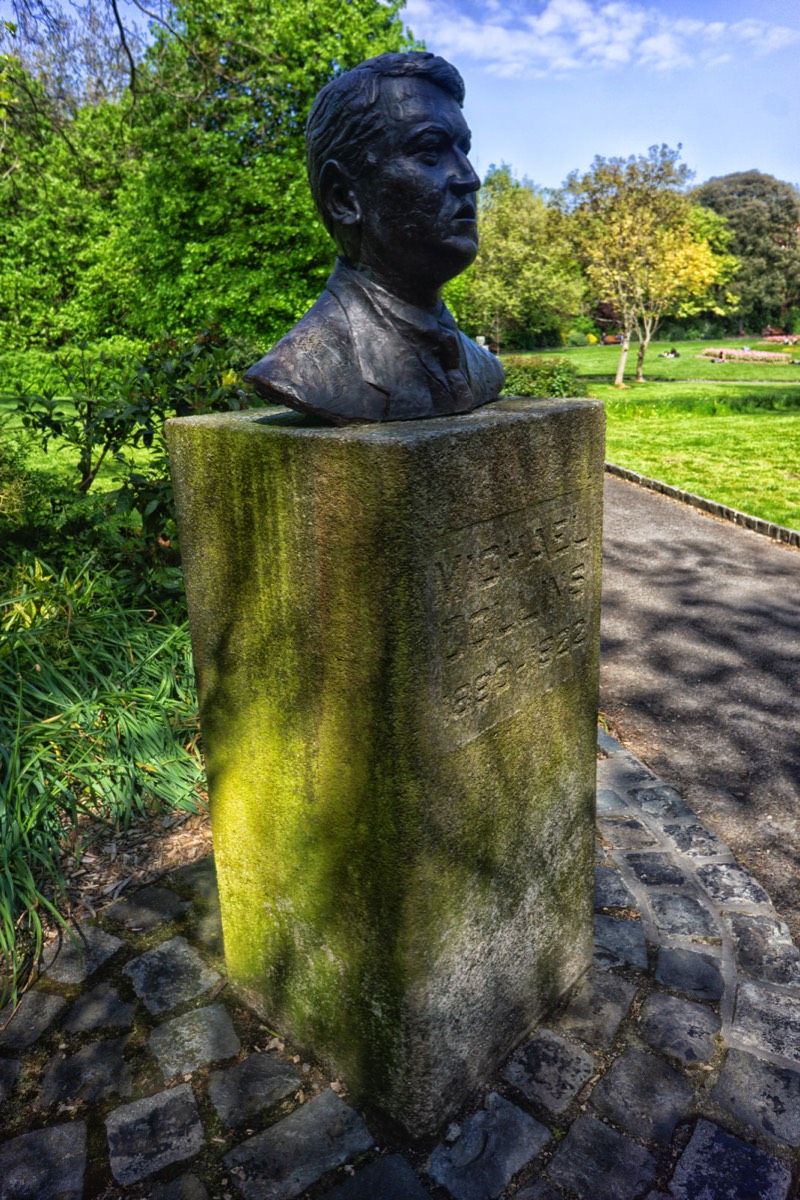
x=544, y=377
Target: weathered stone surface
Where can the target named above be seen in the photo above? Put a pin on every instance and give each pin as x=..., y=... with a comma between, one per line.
x=764, y=948
x=595, y=1161
x=194, y=1040
x=765, y=1019
x=243, y=1091
x=681, y=1028
x=610, y=889
x=607, y=744
x=79, y=956
x=661, y=802
x=9, y=1071
x=609, y=801
x=690, y=971
x=643, y=1095
x=208, y=931
x=656, y=869
x=96, y=1072
x=695, y=840
x=36, y=1013
x=626, y=833
x=717, y=1166
x=452, y=566
x=287, y=1158
x=146, y=909
x=169, y=975
x=150, y=1134
x=48, y=1164
x=495, y=1143
x=762, y=1095
x=186, y=1187
x=101, y=1008
x=540, y=1189
x=549, y=1070
x=618, y=942
x=729, y=881
x=389, y=1178
x=682, y=915
x=200, y=877
x=597, y=1010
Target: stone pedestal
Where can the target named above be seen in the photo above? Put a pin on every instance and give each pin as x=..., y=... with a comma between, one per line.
x=395, y=631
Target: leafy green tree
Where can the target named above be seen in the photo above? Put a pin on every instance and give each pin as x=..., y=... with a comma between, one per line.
x=642, y=250
x=525, y=279
x=764, y=216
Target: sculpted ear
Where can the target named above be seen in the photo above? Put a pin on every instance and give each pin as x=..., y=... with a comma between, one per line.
x=338, y=194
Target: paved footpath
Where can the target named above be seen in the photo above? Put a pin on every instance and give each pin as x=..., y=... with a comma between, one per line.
x=672, y=1074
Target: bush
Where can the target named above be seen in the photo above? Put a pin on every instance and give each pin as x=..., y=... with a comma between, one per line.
x=543, y=377
x=576, y=338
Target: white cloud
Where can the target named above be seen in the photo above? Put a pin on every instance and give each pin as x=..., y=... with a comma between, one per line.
x=563, y=36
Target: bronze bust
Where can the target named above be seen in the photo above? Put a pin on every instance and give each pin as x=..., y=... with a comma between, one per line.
x=387, y=148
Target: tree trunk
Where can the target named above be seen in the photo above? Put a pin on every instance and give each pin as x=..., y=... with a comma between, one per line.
x=643, y=344
x=626, y=345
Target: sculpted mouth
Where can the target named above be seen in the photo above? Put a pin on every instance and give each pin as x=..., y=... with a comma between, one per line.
x=466, y=212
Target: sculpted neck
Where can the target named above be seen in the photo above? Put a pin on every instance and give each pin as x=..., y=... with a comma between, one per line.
x=420, y=293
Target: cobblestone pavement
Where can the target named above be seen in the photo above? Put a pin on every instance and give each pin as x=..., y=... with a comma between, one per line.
x=672, y=1074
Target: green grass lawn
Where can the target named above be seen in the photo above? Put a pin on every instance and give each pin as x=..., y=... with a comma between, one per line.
x=730, y=432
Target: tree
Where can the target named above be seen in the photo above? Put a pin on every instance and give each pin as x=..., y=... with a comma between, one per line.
x=642, y=250
x=525, y=278
x=764, y=216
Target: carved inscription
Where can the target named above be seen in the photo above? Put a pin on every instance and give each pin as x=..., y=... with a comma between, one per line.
x=512, y=598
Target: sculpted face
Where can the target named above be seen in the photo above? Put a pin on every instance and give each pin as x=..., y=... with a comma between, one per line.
x=417, y=206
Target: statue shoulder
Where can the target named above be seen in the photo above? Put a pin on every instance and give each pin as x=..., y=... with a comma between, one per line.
x=486, y=374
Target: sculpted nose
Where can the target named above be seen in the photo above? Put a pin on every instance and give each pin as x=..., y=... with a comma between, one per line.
x=464, y=179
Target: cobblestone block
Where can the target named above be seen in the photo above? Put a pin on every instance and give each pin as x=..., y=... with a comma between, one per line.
x=243, y=1091
x=147, y=909
x=48, y=1164
x=682, y=915
x=595, y=1013
x=78, y=956
x=9, y=1070
x=609, y=801
x=762, y=1095
x=595, y=1161
x=626, y=833
x=661, y=802
x=717, y=1166
x=494, y=1144
x=194, y=1040
x=287, y=1158
x=150, y=1134
x=695, y=840
x=681, y=1028
x=643, y=1095
x=610, y=889
x=389, y=1178
x=656, y=870
x=169, y=975
x=208, y=931
x=617, y=942
x=768, y=1020
x=101, y=1008
x=95, y=1073
x=730, y=882
x=622, y=771
x=200, y=877
x=689, y=971
x=764, y=948
x=185, y=1187
x=549, y=1070
x=36, y=1013
x=608, y=744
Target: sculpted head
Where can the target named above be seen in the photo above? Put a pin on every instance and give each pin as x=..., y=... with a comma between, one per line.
x=387, y=148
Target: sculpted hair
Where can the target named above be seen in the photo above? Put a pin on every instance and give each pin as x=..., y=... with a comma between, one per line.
x=346, y=119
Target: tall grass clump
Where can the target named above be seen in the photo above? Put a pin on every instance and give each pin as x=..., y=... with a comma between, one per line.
x=98, y=725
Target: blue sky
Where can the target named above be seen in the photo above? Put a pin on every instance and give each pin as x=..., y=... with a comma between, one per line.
x=552, y=83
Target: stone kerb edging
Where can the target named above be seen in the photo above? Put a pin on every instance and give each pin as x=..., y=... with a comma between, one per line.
x=780, y=533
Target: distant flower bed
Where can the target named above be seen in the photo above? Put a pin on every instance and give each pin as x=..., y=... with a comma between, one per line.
x=745, y=355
